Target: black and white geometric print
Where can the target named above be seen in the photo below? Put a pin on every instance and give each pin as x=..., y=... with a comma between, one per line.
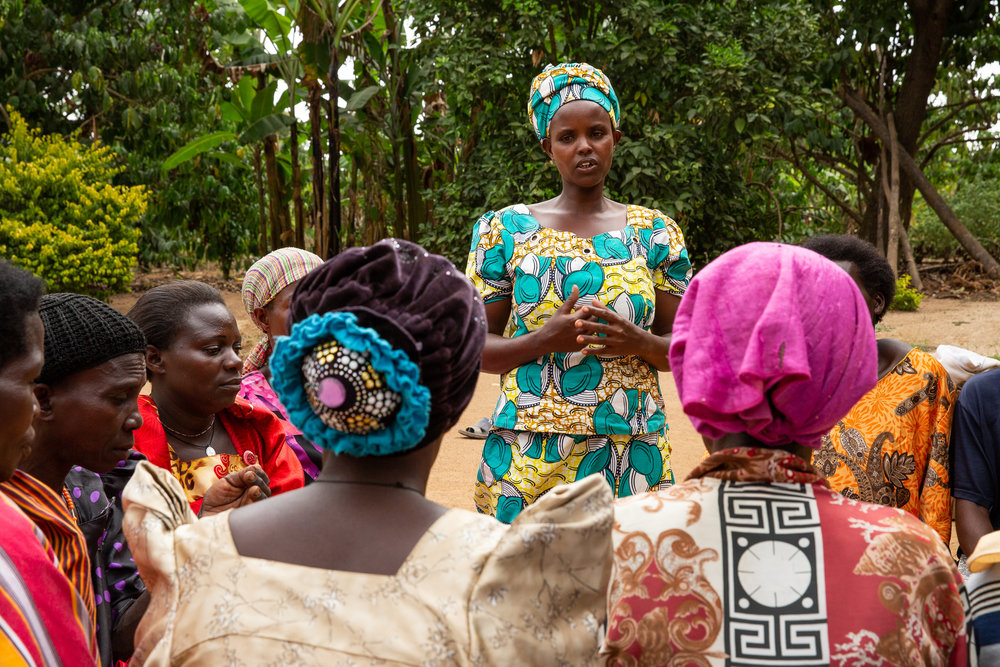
x=775, y=595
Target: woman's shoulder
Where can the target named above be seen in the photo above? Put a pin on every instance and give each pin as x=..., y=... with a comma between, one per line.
x=556, y=556
x=513, y=218
x=245, y=413
x=573, y=521
x=642, y=217
x=147, y=406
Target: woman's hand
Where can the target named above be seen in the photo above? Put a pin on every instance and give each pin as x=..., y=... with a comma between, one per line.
x=236, y=490
x=618, y=336
x=560, y=332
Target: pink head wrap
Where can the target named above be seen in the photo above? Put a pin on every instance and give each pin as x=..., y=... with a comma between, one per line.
x=774, y=341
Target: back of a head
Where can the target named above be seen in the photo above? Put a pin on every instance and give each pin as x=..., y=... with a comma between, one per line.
x=774, y=341
x=20, y=292
x=161, y=311
x=82, y=332
x=873, y=269
x=384, y=352
x=274, y=272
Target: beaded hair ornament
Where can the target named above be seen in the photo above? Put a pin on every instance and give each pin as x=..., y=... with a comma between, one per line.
x=348, y=389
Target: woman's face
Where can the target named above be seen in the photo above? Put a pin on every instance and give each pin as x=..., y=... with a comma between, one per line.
x=278, y=311
x=91, y=415
x=18, y=405
x=581, y=142
x=201, y=368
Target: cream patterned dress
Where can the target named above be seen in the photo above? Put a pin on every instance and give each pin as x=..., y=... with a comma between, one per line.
x=562, y=416
x=472, y=591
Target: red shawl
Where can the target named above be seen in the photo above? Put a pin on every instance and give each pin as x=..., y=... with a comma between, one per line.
x=251, y=430
x=38, y=604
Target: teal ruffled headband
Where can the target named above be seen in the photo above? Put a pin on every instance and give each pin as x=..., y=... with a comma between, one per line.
x=348, y=389
x=566, y=82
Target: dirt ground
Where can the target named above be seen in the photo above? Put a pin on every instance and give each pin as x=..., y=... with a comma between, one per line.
x=974, y=325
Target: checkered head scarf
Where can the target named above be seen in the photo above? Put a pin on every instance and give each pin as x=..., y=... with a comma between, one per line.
x=264, y=280
x=568, y=82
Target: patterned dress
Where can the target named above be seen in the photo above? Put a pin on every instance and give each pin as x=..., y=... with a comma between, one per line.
x=256, y=434
x=753, y=560
x=892, y=447
x=471, y=592
x=98, y=504
x=565, y=416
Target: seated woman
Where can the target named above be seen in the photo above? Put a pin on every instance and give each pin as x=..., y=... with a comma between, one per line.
x=359, y=566
x=753, y=559
x=892, y=447
x=43, y=620
x=267, y=291
x=193, y=423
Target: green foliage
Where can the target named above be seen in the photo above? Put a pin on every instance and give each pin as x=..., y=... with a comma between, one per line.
x=143, y=79
x=704, y=88
x=975, y=198
x=924, y=62
x=60, y=216
x=906, y=297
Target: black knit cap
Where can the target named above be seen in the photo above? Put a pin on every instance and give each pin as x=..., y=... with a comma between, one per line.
x=419, y=303
x=82, y=332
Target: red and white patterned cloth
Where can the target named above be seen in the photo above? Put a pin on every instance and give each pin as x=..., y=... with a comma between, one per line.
x=754, y=560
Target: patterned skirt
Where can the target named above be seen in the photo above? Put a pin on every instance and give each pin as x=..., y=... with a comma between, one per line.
x=519, y=466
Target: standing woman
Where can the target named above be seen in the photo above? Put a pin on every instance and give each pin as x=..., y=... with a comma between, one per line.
x=193, y=423
x=590, y=287
x=267, y=292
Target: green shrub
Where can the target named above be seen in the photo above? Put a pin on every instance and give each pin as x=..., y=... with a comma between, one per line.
x=906, y=297
x=61, y=218
x=976, y=202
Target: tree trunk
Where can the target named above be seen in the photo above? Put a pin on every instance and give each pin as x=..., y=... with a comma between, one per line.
x=279, y=213
x=930, y=25
x=321, y=214
x=929, y=192
x=890, y=186
x=911, y=263
x=871, y=219
x=332, y=237
x=352, y=211
x=293, y=146
x=396, y=122
x=261, y=203
x=414, y=201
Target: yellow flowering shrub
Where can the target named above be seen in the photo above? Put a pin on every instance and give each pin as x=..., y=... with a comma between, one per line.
x=60, y=216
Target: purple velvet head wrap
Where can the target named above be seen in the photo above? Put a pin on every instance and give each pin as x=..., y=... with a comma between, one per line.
x=774, y=341
x=417, y=302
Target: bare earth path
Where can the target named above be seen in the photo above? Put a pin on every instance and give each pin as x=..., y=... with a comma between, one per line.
x=970, y=324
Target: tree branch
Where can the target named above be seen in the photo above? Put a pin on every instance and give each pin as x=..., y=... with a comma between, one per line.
x=794, y=159
x=777, y=204
x=955, y=138
x=956, y=109
x=929, y=192
x=841, y=166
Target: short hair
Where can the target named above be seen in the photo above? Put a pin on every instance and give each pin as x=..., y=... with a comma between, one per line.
x=876, y=274
x=20, y=292
x=161, y=311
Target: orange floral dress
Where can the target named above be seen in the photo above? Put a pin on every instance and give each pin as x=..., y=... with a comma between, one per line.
x=892, y=447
